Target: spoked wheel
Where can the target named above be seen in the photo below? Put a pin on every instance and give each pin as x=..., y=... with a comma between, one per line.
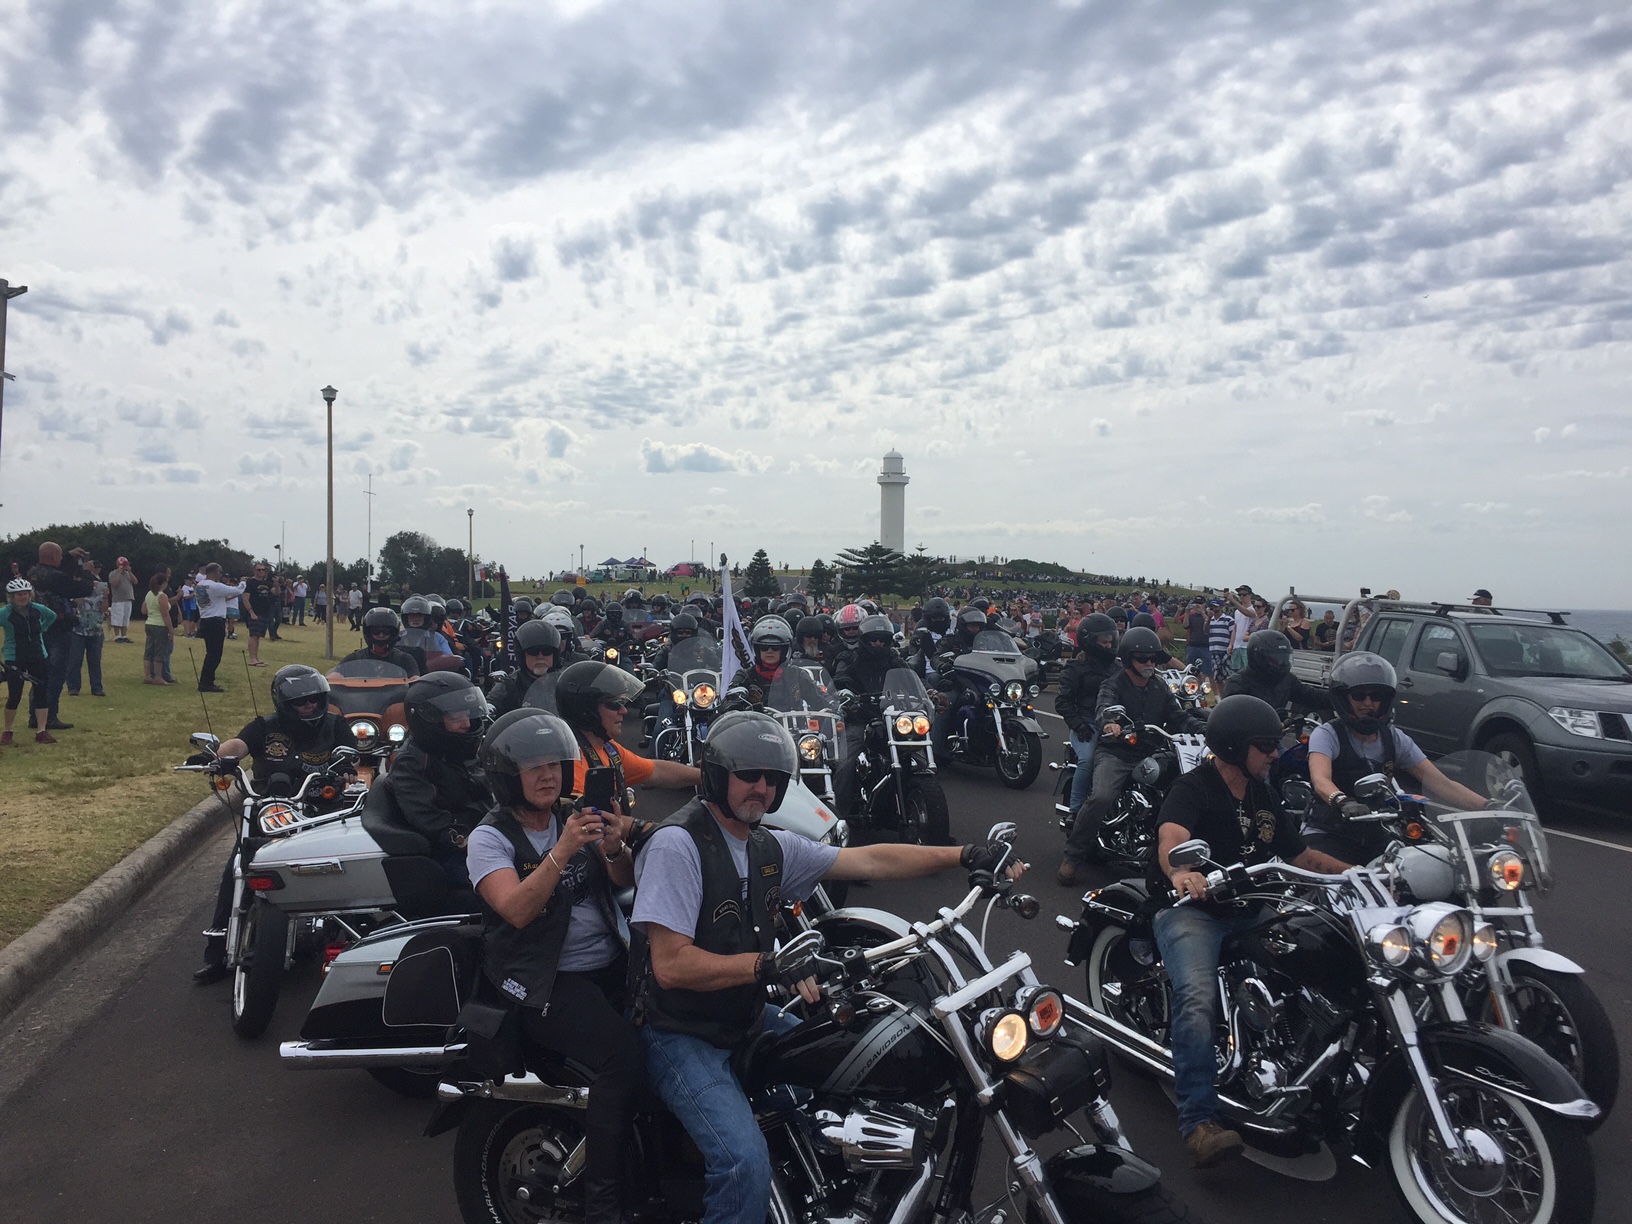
x=1019, y=766
x=1560, y=1013
x=509, y=1162
x=1524, y=1166
x=263, y=938
x=926, y=820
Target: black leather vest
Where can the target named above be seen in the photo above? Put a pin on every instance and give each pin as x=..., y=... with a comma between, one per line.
x=1348, y=767
x=723, y=1018
x=522, y=961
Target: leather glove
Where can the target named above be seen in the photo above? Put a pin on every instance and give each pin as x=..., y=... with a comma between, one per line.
x=988, y=857
x=1353, y=809
x=793, y=963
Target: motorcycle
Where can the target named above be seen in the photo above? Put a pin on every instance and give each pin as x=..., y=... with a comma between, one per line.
x=897, y=789
x=1189, y=685
x=1047, y=649
x=805, y=700
x=875, y=1108
x=325, y=865
x=1342, y=1030
x=679, y=725
x=995, y=723
x=1490, y=861
x=1127, y=835
x=369, y=695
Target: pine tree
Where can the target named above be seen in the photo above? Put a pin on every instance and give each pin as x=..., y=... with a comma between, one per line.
x=873, y=569
x=820, y=583
x=759, y=579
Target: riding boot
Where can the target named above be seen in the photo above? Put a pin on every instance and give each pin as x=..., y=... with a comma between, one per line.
x=603, y=1198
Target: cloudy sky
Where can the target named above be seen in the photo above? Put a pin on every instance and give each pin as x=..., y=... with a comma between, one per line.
x=1283, y=293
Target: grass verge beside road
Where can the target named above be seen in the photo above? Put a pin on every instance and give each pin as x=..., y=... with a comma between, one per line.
x=71, y=810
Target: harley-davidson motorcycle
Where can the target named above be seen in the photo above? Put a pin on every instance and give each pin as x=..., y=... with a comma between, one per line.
x=369, y=695
x=1342, y=1030
x=897, y=790
x=679, y=725
x=995, y=725
x=875, y=1108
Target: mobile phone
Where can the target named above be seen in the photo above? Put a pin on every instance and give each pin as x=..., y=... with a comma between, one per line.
x=600, y=784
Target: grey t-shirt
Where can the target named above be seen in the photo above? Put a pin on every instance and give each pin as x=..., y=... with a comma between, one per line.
x=669, y=875
x=591, y=943
x=122, y=585
x=1406, y=753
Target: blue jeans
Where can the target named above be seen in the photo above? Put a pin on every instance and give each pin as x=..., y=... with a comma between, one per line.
x=694, y=1079
x=1190, y=939
x=1198, y=657
x=1083, y=780
x=88, y=649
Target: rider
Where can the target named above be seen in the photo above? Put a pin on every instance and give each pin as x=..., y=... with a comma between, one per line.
x=1363, y=741
x=296, y=738
x=712, y=880
x=1227, y=803
x=682, y=625
x=419, y=635
x=1268, y=675
x=554, y=942
x=1147, y=701
x=382, y=629
x=593, y=698
x=1080, y=681
x=769, y=643
x=612, y=631
x=434, y=785
x=807, y=647
x=971, y=620
x=846, y=629
x=863, y=669
x=933, y=625
x=540, y=648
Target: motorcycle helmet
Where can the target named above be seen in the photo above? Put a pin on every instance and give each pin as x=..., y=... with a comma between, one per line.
x=744, y=740
x=867, y=606
x=808, y=628
x=1091, y=632
x=521, y=740
x=768, y=632
x=700, y=601
x=456, y=609
x=523, y=609
x=795, y=600
x=585, y=685
x=563, y=598
x=937, y=615
x=19, y=586
x=981, y=602
x=1269, y=654
x=430, y=700
x=416, y=605
x=614, y=614
x=1139, y=640
x=971, y=620
x=1143, y=620
x=683, y=625
x=660, y=602
x=762, y=605
x=877, y=635
x=829, y=625
x=1363, y=670
x=633, y=599
x=294, y=684
x=1120, y=616
x=554, y=614
x=847, y=622
x=1236, y=722
x=537, y=635
x=381, y=626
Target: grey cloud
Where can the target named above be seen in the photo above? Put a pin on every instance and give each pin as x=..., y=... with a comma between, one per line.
x=267, y=463
x=156, y=450
x=515, y=257
x=698, y=457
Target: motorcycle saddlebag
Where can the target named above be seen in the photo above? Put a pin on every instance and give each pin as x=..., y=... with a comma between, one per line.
x=1053, y=1080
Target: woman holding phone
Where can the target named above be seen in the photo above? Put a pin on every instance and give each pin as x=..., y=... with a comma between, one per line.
x=554, y=940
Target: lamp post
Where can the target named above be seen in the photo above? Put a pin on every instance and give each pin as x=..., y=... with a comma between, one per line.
x=7, y=292
x=334, y=604
x=470, y=560
x=368, y=561
x=581, y=570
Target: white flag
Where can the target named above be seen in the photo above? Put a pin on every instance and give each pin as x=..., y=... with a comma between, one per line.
x=735, y=647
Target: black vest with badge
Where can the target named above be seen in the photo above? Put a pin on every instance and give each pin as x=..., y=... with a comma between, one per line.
x=522, y=961
x=299, y=752
x=1348, y=767
x=723, y=1018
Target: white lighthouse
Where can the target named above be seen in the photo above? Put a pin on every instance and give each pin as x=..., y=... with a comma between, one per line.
x=892, y=502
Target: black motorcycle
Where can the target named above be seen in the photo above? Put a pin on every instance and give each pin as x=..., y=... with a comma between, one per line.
x=995, y=724
x=897, y=790
x=875, y=1107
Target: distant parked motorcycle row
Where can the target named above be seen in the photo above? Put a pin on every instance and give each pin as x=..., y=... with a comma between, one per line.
x=1396, y=1007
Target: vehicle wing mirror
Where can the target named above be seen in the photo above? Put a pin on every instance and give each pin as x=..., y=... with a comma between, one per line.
x=1190, y=854
x=205, y=742
x=1003, y=831
x=1450, y=662
x=1297, y=794
x=1374, y=788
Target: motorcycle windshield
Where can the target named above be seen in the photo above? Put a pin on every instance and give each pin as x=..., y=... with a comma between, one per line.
x=994, y=641
x=695, y=654
x=1486, y=837
x=366, y=686
x=903, y=693
x=541, y=694
x=806, y=701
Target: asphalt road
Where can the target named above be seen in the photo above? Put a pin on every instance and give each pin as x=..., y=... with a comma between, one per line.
x=125, y=1095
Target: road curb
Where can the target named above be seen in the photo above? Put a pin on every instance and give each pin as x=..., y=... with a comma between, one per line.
x=30, y=959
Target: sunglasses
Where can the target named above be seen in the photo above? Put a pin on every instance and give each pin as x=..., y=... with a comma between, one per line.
x=618, y=705
x=754, y=776
x=1378, y=695
x=539, y=652
x=1147, y=658
x=1269, y=747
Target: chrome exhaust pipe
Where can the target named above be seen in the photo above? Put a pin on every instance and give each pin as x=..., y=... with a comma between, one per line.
x=331, y=1056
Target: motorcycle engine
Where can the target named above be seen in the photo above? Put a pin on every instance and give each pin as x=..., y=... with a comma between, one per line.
x=1257, y=1007
x=868, y=1138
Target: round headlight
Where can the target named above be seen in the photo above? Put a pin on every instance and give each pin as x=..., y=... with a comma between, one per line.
x=1390, y=944
x=1192, y=686
x=1506, y=870
x=363, y=730
x=1449, y=942
x=1007, y=1036
x=903, y=724
x=679, y=697
x=1034, y=690
x=611, y=654
x=1014, y=690
x=810, y=747
x=703, y=696
x=1044, y=1008
x=397, y=733
x=995, y=689
x=920, y=725
x=1484, y=942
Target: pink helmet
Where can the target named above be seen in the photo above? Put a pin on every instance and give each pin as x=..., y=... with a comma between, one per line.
x=848, y=617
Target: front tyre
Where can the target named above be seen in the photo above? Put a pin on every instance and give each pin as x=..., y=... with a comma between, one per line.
x=263, y=939
x=507, y=1160
x=1534, y=1168
x=1019, y=766
x=1560, y=1013
x=926, y=820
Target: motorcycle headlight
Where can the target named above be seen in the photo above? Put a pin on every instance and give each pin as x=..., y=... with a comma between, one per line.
x=1034, y=689
x=920, y=725
x=679, y=697
x=397, y=733
x=1442, y=936
x=364, y=731
x=810, y=747
x=903, y=724
x=1390, y=944
x=1044, y=1009
x=1014, y=690
x=1192, y=686
x=1484, y=942
x=276, y=817
x=1506, y=870
x=703, y=696
x=1005, y=1035
x=994, y=690
x=611, y=654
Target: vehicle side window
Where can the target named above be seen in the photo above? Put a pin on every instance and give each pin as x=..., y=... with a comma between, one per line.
x=1435, y=640
x=1390, y=637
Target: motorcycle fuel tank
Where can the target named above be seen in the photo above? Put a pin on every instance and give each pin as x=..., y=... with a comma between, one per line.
x=1308, y=950
x=883, y=1053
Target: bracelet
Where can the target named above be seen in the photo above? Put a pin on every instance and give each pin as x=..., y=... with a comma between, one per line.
x=1335, y=798
x=550, y=854
x=622, y=850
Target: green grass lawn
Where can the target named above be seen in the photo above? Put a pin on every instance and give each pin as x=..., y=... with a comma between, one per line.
x=71, y=810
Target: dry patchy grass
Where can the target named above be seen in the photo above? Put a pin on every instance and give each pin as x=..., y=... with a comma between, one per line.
x=71, y=810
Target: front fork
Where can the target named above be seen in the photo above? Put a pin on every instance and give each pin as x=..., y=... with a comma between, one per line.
x=1404, y=1023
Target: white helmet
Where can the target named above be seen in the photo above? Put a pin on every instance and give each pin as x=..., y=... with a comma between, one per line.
x=18, y=585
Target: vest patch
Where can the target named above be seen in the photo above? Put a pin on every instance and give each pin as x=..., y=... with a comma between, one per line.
x=725, y=909
x=769, y=869
x=512, y=987
x=773, y=900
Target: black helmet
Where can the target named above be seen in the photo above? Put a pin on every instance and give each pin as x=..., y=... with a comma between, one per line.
x=1363, y=670
x=381, y=625
x=937, y=615
x=521, y=740
x=614, y=614
x=828, y=626
x=660, y=601
x=564, y=598
x=538, y=635
x=456, y=609
x=867, y=606
x=1143, y=620
x=416, y=605
x=1119, y=615
x=1090, y=629
x=1269, y=653
x=971, y=620
x=682, y=626
x=1139, y=640
x=770, y=631
x=1235, y=722
x=808, y=627
x=430, y=698
x=584, y=686
x=297, y=682
x=745, y=740
x=795, y=600
x=523, y=609
x=877, y=634
x=981, y=602
x=762, y=605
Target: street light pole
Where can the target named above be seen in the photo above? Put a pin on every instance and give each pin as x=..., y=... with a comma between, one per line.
x=368, y=562
x=470, y=560
x=334, y=604
x=7, y=292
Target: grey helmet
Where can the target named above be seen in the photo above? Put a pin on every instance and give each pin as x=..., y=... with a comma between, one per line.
x=745, y=740
x=1361, y=669
x=521, y=740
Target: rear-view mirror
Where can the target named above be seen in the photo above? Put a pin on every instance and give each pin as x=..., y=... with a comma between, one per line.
x=1190, y=854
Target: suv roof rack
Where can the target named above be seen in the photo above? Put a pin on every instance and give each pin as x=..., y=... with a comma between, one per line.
x=1453, y=609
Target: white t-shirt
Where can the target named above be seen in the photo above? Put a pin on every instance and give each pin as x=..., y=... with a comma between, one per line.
x=214, y=598
x=1241, y=631
x=355, y=599
x=300, y=590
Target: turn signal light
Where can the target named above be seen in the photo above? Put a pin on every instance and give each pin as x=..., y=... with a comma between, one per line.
x=1414, y=831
